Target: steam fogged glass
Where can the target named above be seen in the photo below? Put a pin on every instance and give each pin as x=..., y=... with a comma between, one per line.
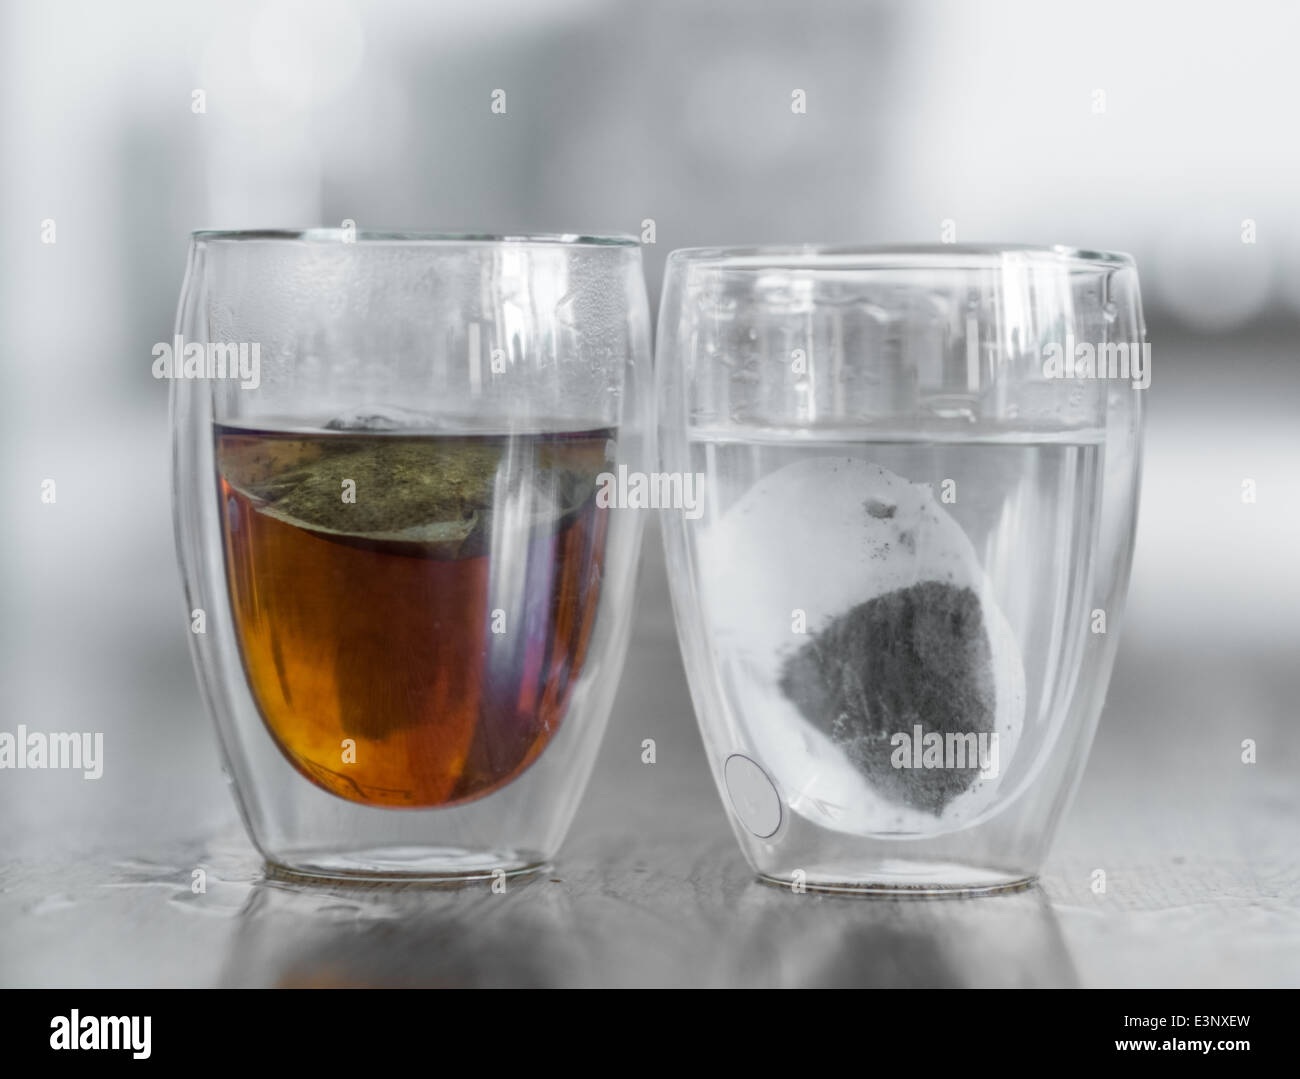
x=408, y=610
x=899, y=607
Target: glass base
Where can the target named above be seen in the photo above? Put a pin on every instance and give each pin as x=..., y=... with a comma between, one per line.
x=918, y=880
x=430, y=865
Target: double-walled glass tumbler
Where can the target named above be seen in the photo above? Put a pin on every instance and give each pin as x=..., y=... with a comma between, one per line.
x=898, y=609
x=409, y=608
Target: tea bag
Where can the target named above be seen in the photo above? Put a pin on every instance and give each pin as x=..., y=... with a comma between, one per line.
x=900, y=632
x=433, y=495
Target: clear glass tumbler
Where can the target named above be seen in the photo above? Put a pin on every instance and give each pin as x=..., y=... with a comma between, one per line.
x=408, y=609
x=898, y=608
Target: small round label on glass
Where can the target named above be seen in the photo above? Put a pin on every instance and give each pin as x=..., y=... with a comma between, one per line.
x=753, y=796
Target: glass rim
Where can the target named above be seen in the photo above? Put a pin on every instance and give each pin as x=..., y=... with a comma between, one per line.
x=890, y=256
x=410, y=236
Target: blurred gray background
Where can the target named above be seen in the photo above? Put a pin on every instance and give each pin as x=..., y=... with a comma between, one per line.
x=1163, y=130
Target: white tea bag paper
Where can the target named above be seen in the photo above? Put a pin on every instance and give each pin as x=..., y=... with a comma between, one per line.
x=901, y=637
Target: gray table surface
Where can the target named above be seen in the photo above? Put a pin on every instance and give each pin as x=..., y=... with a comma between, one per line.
x=650, y=888
x=1200, y=850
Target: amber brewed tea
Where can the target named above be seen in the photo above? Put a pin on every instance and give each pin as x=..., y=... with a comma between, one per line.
x=412, y=610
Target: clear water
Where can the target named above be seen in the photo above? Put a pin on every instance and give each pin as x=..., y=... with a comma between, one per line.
x=797, y=532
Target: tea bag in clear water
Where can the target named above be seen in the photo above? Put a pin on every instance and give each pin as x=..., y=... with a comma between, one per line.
x=852, y=611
